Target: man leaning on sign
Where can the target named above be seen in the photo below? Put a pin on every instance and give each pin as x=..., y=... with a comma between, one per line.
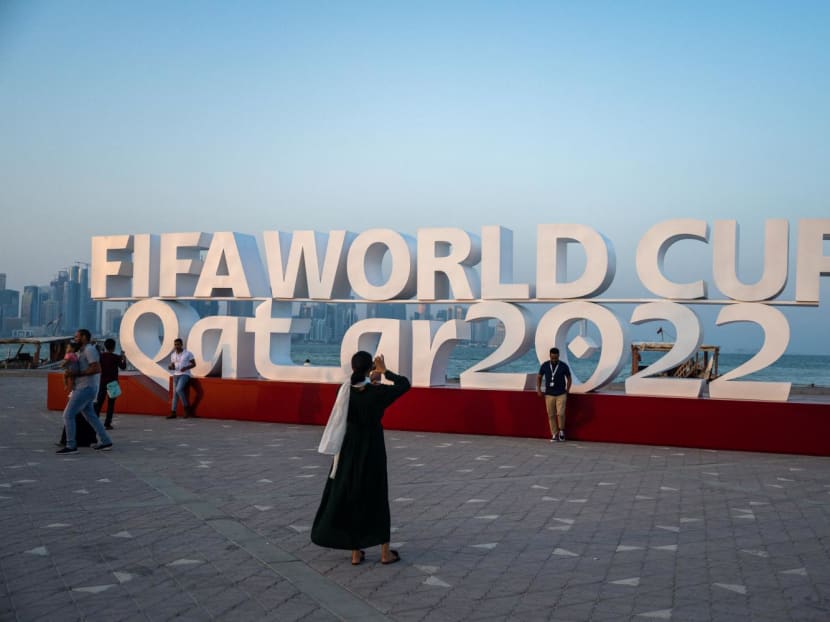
x=181, y=362
x=557, y=377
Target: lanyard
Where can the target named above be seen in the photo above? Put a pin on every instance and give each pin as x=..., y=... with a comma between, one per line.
x=553, y=374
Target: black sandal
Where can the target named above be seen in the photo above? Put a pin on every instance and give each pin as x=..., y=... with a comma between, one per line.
x=395, y=558
x=359, y=561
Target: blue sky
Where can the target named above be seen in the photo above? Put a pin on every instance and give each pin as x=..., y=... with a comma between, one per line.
x=163, y=117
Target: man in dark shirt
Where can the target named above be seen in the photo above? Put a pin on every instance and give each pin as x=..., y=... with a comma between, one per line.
x=557, y=376
x=110, y=364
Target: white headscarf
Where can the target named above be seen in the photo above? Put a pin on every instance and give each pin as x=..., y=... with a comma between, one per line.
x=336, y=427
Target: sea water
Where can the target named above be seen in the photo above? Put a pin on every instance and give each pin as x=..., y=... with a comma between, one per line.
x=800, y=369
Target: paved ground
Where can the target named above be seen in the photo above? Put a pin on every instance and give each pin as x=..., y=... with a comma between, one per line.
x=206, y=519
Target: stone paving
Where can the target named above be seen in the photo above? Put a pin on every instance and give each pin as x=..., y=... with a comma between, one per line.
x=209, y=520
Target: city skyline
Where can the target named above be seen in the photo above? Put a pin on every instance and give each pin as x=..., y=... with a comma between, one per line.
x=59, y=308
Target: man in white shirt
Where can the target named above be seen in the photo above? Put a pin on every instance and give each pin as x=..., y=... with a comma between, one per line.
x=181, y=362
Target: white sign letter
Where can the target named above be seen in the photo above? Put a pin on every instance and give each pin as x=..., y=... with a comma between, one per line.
x=181, y=263
x=272, y=326
x=365, y=265
x=445, y=260
x=518, y=335
x=145, y=266
x=725, y=244
x=497, y=264
x=776, y=337
x=552, y=262
x=812, y=262
x=110, y=278
x=148, y=329
x=689, y=338
x=294, y=264
x=651, y=253
x=432, y=344
x=232, y=268
x=221, y=346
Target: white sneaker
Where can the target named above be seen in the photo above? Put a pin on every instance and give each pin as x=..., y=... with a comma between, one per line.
x=561, y=437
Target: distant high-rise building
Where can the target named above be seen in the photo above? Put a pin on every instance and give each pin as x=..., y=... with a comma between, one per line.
x=70, y=301
x=346, y=316
x=43, y=298
x=51, y=317
x=2, y=281
x=205, y=308
x=498, y=335
x=112, y=321
x=116, y=325
x=9, y=311
x=481, y=332
x=88, y=309
x=393, y=311
x=56, y=286
x=30, y=306
x=10, y=303
x=241, y=308
x=54, y=320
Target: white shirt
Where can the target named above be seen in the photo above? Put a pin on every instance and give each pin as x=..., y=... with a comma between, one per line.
x=181, y=360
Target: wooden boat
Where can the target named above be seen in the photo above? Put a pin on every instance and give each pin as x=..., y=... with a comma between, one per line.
x=33, y=352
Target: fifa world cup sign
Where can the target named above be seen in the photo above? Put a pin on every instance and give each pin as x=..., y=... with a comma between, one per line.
x=161, y=272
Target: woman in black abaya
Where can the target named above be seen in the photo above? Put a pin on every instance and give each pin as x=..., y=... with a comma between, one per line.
x=354, y=510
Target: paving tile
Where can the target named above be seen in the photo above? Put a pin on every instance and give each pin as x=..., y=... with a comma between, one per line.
x=545, y=538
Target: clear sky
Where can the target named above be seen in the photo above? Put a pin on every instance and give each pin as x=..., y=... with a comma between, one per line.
x=131, y=117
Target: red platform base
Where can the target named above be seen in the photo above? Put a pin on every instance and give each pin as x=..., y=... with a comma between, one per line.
x=788, y=427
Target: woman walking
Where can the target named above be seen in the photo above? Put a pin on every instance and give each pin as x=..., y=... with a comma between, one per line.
x=354, y=510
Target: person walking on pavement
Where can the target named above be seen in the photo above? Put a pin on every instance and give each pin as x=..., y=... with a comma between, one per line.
x=557, y=377
x=82, y=400
x=181, y=362
x=110, y=364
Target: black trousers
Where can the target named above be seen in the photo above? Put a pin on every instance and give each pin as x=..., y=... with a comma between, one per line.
x=99, y=404
x=85, y=434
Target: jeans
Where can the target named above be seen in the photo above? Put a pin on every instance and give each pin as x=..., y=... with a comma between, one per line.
x=83, y=401
x=180, y=383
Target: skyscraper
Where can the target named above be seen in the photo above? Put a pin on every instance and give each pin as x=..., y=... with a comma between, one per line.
x=9, y=310
x=241, y=308
x=112, y=321
x=9, y=307
x=30, y=306
x=70, y=302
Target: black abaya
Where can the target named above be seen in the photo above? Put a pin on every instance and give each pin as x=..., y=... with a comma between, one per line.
x=354, y=510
